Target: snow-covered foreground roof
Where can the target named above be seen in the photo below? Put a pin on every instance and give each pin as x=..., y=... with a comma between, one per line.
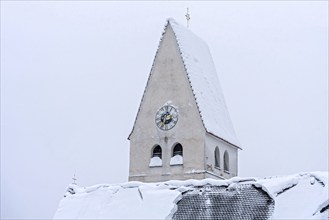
x=299, y=196
x=202, y=74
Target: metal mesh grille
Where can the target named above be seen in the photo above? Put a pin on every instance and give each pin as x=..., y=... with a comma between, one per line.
x=244, y=201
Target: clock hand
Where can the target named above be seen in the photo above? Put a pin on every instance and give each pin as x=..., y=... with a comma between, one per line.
x=165, y=118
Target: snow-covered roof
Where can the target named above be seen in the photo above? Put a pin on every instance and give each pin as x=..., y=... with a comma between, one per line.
x=299, y=196
x=204, y=81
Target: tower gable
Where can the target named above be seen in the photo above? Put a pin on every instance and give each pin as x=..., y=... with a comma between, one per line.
x=182, y=117
x=168, y=84
x=202, y=77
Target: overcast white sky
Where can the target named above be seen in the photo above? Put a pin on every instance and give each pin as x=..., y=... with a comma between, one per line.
x=73, y=74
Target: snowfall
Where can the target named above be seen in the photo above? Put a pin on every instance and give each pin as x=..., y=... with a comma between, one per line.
x=298, y=196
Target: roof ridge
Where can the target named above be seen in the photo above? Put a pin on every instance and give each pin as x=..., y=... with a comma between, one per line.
x=186, y=70
x=190, y=61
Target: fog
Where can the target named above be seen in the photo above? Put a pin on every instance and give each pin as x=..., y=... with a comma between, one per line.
x=73, y=74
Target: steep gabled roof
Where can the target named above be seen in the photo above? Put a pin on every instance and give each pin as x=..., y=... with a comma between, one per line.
x=203, y=78
x=204, y=82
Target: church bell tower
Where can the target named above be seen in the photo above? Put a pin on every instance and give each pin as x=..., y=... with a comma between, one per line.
x=182, y=129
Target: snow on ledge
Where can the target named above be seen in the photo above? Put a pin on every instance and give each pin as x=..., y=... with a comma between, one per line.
x=176, y=160
x=155, y=162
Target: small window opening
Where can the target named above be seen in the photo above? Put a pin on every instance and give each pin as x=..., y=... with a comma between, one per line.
x=217, y=158
x=226, y=162
x=178, y=150
x=157, y=152
x=177, y=155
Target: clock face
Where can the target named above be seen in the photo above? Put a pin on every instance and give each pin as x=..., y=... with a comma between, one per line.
x=166, y=117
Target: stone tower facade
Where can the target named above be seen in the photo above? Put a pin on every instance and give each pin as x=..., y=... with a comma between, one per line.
x=182, y=129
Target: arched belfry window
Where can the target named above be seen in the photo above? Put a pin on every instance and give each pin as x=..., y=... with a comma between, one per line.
x=217, y=158
x=156, y=159
x=157, y=152
x=178, y=150
x=226, y=162
x=177, y=155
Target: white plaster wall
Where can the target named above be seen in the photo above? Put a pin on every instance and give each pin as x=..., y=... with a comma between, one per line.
x=168, y=82
x=211, y=143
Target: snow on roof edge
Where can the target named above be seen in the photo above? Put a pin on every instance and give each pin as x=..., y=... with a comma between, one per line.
x=159, y=199
x=205, y=84
x=293, y=178
x=148, y=79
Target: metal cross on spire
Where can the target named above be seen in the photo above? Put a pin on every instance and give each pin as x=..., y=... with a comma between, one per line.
x=74, y=180
x=187, y=16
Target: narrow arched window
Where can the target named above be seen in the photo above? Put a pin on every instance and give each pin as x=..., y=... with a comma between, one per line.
x=178, y=150
x=177, y=155
x=226, y=162
x=157, y=152
x=217, y=158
